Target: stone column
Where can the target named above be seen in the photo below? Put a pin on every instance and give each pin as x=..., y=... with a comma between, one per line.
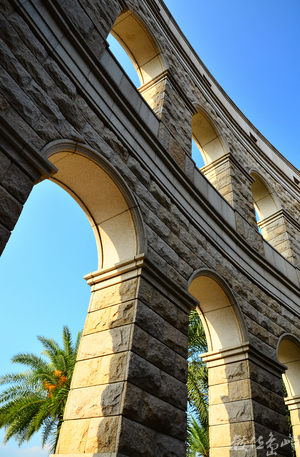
x=233, y=182
x=281, y=230
x=170, y=103
x=128, y=395
x=246, y=406
x=293, y=404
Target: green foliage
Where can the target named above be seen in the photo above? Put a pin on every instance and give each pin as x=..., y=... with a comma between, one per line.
x=288, y=416
x=35, y=399
x=197, y=385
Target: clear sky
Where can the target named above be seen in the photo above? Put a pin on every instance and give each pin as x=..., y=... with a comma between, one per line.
x=252, y=49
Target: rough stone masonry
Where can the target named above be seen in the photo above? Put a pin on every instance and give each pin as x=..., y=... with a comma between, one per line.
x=170, y=237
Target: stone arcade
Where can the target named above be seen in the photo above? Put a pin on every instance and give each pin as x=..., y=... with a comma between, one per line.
x=170, y=237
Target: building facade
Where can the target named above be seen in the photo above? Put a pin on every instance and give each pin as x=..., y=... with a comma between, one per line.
x=170, y=237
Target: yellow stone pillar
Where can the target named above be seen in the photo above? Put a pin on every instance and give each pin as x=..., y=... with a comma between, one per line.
x=233, y=182
x=281, y=230
x=128, y=394
x=246, y=406
x=293, y=403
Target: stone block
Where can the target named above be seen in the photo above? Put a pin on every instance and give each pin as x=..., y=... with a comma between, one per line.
x=114, y=142
x=167, y=253
x=9, y=35
x=158, y=226
x=167, y=446
x=74, y=435
x=160, y=195
x=164, y=307
x=224, y=413
x=156, y=259
x=113, y=295
x=176, y=277
x=146, y=196
x=35, y=68
x=181, y=368
x=102, y=435
x=169, y=220
x=45, y=104
x=173, y=391
x=144, y=374
x=17, y=183
x=4, y=164
x=4, y=237
x=45, y=129
x=16, y=97
x=10, y=209
x=101, y=370
x=69, y=110
x=139, y=171
x=161, y=355
x=222, y=435
x=108, y=318
x=60, y=78
x=145, y=291
x=163, y=417
x=228, y=373
x=95, y=401
x=183, y=321
x=136, y=440
x=27, y=36
x=24, y=130
x=233, y=391
x=132, y=402
x=6, y=8
x=176, y=340
x=104, y=343
x=80, y=20
x=12, y=66
x=149, y=321
x=139, y=343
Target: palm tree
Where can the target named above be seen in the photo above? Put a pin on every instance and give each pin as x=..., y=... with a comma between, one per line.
x=36, y=398
x=197, y=385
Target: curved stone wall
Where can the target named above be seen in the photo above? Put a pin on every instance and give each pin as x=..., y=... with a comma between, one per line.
x=170, y=237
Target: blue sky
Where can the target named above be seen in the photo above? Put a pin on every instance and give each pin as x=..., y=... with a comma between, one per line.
x=252, y=49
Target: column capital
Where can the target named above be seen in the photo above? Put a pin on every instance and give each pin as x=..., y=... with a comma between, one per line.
x=245, y=351
x=141, y=266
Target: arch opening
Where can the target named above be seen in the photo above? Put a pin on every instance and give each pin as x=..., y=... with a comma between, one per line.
x=140, y=45
x=221, y=318
x=105, y=200
x=225, y=334
x=289, y=355
x=207, y=138
x=288, y=352
x=265, y=201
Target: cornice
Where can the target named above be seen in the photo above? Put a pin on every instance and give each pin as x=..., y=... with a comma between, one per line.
x=282, y=213
x=169, y=76
x=141, y=266
x=244, y=351
x=229, y=157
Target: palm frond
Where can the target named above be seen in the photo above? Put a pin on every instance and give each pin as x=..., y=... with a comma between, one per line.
x=36, y=398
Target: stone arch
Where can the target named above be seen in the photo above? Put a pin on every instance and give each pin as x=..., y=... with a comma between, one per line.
x=207, y=137
x=288, y=353
x=220, y=314
x=265, y=200
x=104, y=197
x=140, y=45
x=226, y=358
